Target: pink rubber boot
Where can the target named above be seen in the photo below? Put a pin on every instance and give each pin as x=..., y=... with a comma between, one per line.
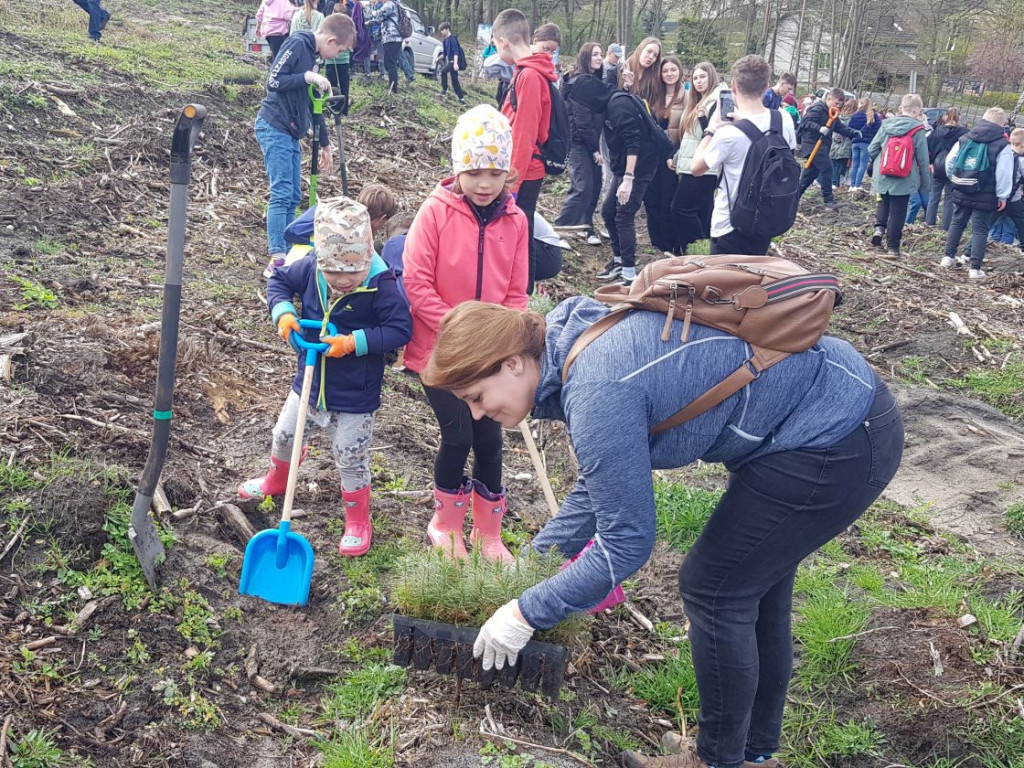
x=358, y=528
x=273, y=483
x=488, y=510
x=614, y=597
x=445, y=528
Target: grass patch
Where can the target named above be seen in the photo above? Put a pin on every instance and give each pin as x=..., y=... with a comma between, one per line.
x=429, y=585
x=682, y=512
x=34, y=294
x=36, y=749
x=824, y=615
x=354, y=748
x=356, y=696
x=662, y=684
x=1014, y=517
x=118, y=571
x=999, y=388
x=366, y=571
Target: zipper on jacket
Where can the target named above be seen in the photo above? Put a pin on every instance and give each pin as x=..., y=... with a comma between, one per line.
x=480, y=260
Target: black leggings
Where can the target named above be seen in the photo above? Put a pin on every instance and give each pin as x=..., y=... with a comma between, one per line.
x=275, y=42
x=391, y=53
x=460, y=432
x=338, y=74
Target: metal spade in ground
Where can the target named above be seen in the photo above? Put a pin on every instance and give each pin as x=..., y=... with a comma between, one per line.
x=448, y=650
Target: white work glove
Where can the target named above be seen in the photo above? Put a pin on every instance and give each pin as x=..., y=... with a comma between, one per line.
x=823, y=131
x=625, y=190
x=598, y=159
x=502, y=637
x=318, y=80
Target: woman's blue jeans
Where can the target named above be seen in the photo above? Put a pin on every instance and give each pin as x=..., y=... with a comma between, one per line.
x=282, y=159
x=737, y=581
x=859, y=164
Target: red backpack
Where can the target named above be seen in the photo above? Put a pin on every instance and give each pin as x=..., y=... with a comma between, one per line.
x=898, y=156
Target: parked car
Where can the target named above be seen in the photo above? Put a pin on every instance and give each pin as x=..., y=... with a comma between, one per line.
x=933, y=114
x=821, y=92
x=418, y=48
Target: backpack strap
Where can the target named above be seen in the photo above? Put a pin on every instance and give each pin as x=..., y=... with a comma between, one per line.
x=761, y=360
x=616, y=313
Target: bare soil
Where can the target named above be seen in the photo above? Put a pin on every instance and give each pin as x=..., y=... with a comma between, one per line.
x=83, y=388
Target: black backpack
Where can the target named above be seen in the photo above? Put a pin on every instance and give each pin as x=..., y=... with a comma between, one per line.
x=660, y=143
x=766, y=199
x=404, y=21
x=554, y=152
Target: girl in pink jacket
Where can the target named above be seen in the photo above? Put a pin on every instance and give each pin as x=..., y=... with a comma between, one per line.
x=468, y=241
x=274, y=22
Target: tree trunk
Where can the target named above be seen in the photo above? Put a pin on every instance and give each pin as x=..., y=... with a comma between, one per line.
x=814, y=52
x=794, y=61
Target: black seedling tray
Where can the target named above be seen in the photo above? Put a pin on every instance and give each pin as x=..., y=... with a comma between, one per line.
x=448, y=650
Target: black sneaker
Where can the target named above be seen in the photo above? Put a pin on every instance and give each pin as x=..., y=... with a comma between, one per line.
x=831, y=205
x=876, y=238
x=611, y=270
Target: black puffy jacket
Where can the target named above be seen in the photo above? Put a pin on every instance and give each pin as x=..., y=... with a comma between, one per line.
x=585, y=123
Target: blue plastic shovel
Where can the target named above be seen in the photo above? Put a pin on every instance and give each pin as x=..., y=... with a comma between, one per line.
x=278, y=564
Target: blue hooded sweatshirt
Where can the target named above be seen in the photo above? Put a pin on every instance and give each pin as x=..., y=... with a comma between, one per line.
x=627, y=381
x=287, y=106
x=376, y=314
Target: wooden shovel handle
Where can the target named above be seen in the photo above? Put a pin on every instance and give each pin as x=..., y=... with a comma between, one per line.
x=538, y=466
x=300, y=430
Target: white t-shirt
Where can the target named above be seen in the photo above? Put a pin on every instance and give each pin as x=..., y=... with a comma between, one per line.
x=725, y=154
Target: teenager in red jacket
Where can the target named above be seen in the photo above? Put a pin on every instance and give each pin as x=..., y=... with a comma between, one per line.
x=468, y=241
x=531, y=116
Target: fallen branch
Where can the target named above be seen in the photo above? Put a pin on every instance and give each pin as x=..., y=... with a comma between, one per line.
x=860, y=634
x=35, y=645
x=14, y=538
x=293, y=731
x=533, y=745
x=3, y=739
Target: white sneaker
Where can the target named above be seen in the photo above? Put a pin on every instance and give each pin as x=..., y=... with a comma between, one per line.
x=947, y=262
x=963, y=260
x=976, y=274
x=593, y=240
x=604, y=233
x=855, y=189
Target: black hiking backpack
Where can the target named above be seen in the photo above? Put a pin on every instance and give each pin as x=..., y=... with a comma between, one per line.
x=554, y=152
x=660, y=144
x=404, y=21
x=765, y=202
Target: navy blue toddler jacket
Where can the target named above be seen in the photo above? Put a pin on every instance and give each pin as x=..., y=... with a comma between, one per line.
x=376, y=313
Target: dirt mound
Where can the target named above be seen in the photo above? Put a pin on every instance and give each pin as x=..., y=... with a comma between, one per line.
x=960, y=455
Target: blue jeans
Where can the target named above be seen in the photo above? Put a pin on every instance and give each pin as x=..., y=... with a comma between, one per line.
x=941, y=190
x=917, y=202
x=97, y=16
x=282, y=159
x=859, y=164
x=737, y=581
x=406, y=65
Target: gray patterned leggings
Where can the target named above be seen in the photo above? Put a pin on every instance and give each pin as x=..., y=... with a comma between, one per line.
x=350, y=439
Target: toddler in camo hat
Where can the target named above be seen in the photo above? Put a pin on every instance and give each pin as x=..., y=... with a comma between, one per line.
x=342, y=235
x=482, y=140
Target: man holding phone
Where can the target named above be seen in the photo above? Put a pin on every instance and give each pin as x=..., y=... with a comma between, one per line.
x=724, y=149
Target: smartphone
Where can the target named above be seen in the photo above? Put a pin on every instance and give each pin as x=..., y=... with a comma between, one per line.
x=727, y=105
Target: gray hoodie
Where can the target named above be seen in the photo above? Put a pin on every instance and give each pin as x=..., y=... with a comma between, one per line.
x=627, y=381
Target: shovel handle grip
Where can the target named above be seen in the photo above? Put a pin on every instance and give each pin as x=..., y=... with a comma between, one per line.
x=183, y=141
x=311, y=348
x=318, y=101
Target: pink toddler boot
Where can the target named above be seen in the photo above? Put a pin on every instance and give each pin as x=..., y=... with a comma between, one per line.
x=445, y=528
x=273, y=483
x=488, y=510
x=358, y=528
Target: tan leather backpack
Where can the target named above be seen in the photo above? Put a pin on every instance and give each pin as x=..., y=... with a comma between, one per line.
x=773, y=304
